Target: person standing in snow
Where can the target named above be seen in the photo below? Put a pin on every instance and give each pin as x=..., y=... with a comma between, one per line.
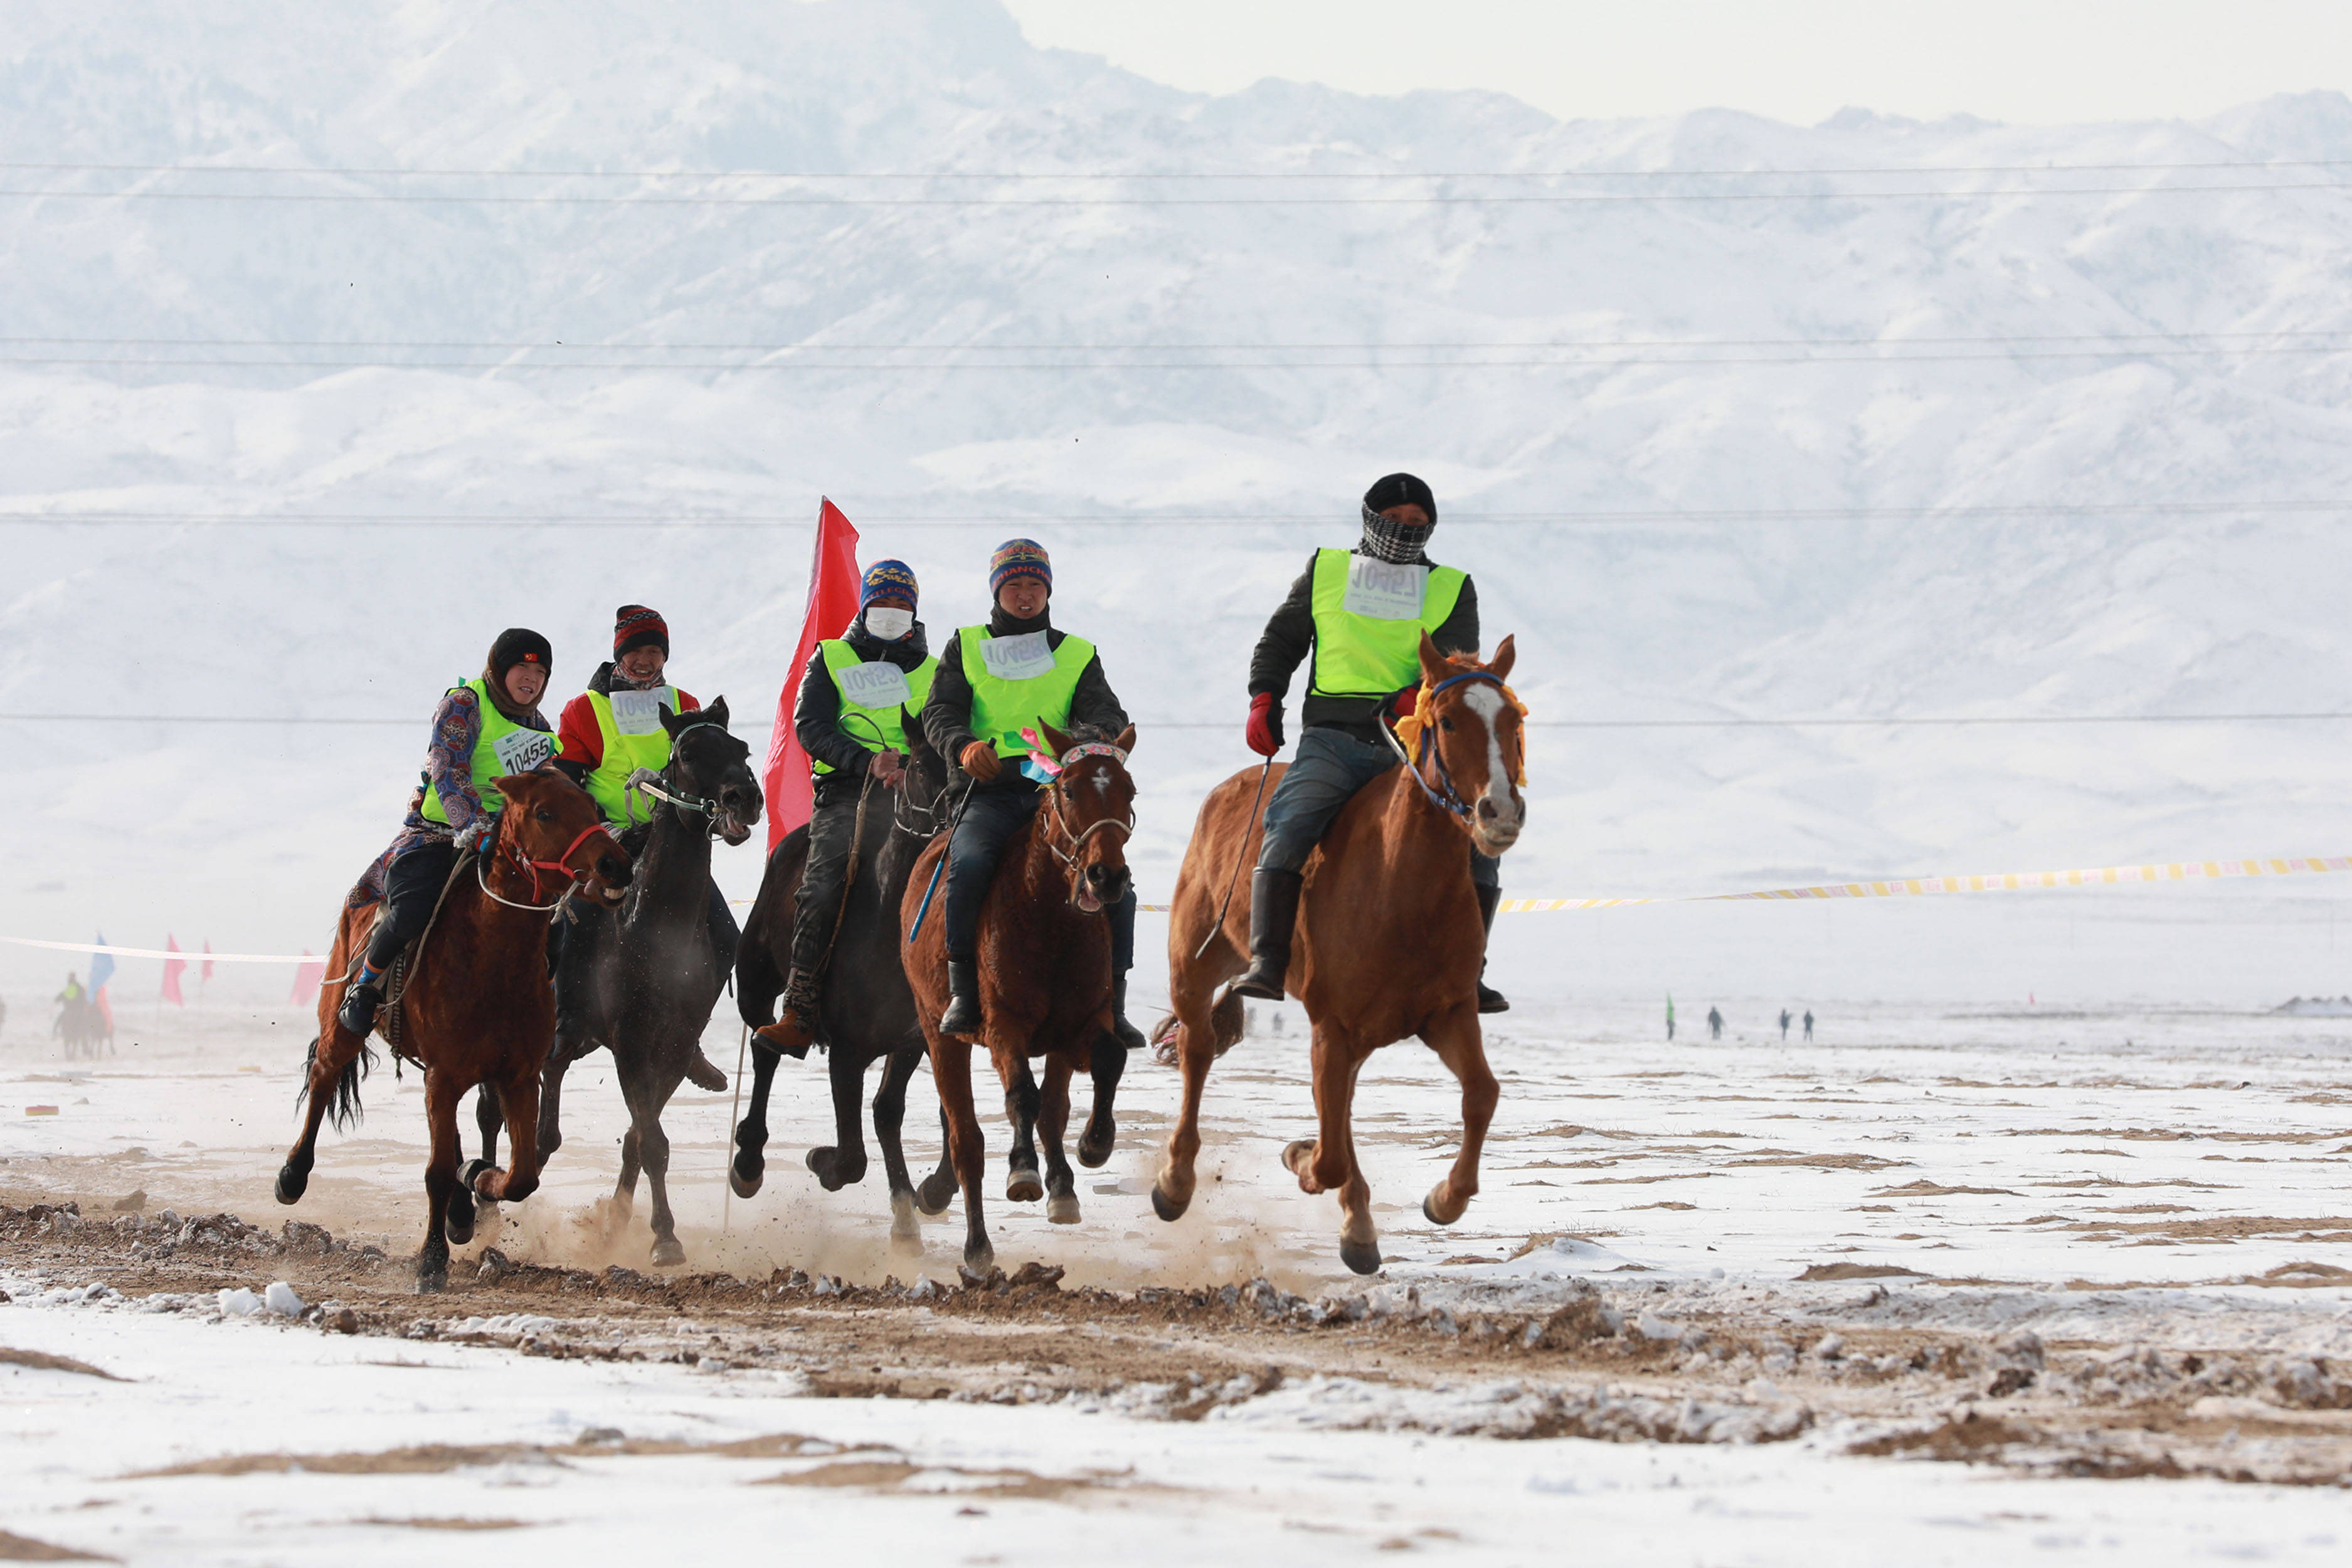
x=1365, y=662
x=606, y=734
x=850, y=719
x=1714, y=1023
x=1670, y=1020
x=1809, y=1024
x=1784, y=1026
x=483, y=729
x=1017, y=671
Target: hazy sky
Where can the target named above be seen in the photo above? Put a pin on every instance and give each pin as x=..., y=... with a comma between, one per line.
x=1798, y=60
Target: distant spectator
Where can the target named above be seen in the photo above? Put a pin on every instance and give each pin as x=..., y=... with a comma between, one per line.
x=1784, y=1026
x=1809, y=1023
x=1714, y=1023
x=1670, y=1020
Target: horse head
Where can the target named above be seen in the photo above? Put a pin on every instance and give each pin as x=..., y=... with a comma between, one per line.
x=551, y=826
x=1470, y=725
x=713, y=768
x=1092, y=805
x=926, y=778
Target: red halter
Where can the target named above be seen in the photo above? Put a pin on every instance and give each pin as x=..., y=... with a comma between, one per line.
x=561, y=865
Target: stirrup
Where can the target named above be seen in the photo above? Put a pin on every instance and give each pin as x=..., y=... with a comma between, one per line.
x=359, y=1008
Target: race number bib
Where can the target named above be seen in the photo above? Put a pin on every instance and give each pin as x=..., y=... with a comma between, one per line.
x=1024, y=658
x=879, y=684
x=521, y=751
x=1383, y=591
x=639, y=713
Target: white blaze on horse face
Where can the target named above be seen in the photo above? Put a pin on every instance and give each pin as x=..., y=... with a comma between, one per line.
x=1501, y=830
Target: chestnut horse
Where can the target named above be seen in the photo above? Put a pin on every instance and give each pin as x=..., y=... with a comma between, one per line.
x=477, y=1008
x=1045, y=980
x=1388, y=942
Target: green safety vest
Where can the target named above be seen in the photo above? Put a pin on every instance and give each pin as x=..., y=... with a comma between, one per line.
x=503, y=747
x=1368, y=617
x=630, y=725
x=1016, y=688
x=880, y=692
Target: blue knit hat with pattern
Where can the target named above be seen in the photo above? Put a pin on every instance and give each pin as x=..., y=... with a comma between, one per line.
x=893, y=579
x=1019, y=558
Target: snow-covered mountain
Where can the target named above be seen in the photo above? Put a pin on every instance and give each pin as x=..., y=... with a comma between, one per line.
x=1994, y=421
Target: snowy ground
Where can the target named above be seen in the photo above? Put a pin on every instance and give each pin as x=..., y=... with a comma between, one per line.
x=2125, y=1233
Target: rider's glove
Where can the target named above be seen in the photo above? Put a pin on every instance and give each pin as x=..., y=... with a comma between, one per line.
x=1265, y=728
x=478, y=836
x=981, y=761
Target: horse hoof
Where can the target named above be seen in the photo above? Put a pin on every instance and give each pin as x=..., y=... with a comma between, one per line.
x=1166, y=1207
x=978, y=1256
x=1023, y=1187
x=1095, y=1154
x=433, y=1284
x=291, y=1185
x=1297, y=1154
x=1363, y=1256
x=935, y=1195
x=1429, y=1210
x=668, y=1253
x=1062, y=1208
x=742, y=1185
x=827, y=1164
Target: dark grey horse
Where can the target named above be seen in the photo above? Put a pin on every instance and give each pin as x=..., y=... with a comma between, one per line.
x=656, y=970
x=867, y=1013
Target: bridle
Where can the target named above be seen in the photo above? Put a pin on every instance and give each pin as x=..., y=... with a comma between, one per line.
x=671, y=795
x=1444, y=796
x=561, y=865
x=1077, y=841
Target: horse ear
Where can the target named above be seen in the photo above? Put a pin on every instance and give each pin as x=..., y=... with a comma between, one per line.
x=1504, y=655
x=1433, y=663
x=1055, y=740
x=918, y=745
x=518, y=786
x=674, y=722
x=1126, y=742
x=717, y=712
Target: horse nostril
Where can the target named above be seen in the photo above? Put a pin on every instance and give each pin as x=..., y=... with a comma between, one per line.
x=1485, y=809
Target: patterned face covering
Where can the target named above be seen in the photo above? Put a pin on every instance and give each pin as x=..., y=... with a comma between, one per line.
x=1397, y=543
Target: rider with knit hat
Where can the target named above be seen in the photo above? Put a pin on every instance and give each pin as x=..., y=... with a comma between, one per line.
x=608, y=732
x=850, y=717
x=1017, y=671
x=1360, y=613
x=483, y=729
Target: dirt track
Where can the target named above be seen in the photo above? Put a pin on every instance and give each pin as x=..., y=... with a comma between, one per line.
x=1608, y=1358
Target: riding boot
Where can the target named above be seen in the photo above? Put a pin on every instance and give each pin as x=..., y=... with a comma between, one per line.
x=1128, y=1035
x=795, y=1029
x=361, y=1000
x=1489, y=999
x=963, y=1017
x=1273, y=911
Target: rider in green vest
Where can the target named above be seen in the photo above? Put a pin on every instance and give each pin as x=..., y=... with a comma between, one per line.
x=608, y=732
x=1358, y=614
x=850, y=717
x=994, y=681
x=483, y=729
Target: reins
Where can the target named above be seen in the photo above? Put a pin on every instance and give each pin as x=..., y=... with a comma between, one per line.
x=1450, y=800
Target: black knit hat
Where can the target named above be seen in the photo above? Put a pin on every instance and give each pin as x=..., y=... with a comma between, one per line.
x=1401, y=490
x=517, y=645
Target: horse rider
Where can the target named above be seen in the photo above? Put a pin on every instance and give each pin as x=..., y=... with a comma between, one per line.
x=606, y=734
x=1360, y=613
x=483, y=730
x=850, y=717
x=1018, y=672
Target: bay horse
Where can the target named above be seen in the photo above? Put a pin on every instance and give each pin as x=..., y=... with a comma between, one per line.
x=477, y=1007
x=1388, y=941
x=657, y=971
x=865, y=1009
x=1045, y=980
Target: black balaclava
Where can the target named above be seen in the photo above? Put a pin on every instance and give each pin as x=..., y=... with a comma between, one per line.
x=1397, y=543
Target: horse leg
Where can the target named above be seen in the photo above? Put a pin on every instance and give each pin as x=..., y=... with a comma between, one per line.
x=334, y=1057
x=1109, y=1064
x=1460, y=1045
x=951, y=1069
x=843, y=1163
x=1327, y=1161
x=889, y=1122
x=1021, y=1100
x=1171, y=1194
x=1053, y=1121
x=653, y=1147
x=441, y=1096
x=489, y=1115
x=939, y=1188
x=749, y=1168
x=550, y=1102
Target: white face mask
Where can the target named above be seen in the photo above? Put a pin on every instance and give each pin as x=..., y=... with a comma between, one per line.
x=887, y=624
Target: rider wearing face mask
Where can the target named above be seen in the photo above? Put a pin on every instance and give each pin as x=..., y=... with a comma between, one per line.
x=850, y=720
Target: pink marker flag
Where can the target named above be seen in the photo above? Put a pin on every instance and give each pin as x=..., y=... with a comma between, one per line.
x=832, y=606
x=307, y=977
x=207, y=974
x=172, y=969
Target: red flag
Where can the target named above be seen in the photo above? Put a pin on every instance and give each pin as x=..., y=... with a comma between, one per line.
x=832, y=606
x=172, y=969
x=207, y=975
x=307, y=976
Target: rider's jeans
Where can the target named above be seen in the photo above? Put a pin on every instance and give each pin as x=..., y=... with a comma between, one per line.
x=992, y=815
x=1327, y=770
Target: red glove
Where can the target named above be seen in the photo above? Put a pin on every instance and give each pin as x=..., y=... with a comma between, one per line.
x=980, y=761
x=1402, y=705
x=1265, y=730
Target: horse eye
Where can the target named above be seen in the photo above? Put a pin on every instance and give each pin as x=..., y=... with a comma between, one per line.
x=543, y=814
x=1445, y=723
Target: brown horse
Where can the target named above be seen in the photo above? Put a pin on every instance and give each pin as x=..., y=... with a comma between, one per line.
x=1044, y=981
x=477, y=1007
x=1387, y=944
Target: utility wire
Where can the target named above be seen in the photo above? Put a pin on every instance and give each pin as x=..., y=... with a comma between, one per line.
x=1044, y=175
x=808, y=346
x=1834, y=723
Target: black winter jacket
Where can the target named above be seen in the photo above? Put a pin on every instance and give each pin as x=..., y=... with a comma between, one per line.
x=947, y=718
x=1291, y=633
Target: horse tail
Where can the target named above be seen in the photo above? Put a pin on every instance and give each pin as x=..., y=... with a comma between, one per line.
x=1226, y=1021
x=345, y=1110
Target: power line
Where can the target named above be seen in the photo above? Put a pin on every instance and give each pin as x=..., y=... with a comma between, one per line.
x=1149, y=724
x=807, y=346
